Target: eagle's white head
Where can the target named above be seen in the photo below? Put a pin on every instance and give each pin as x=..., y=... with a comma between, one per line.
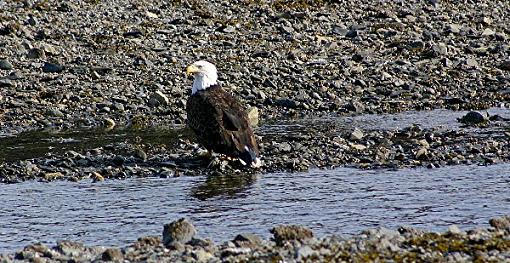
x=205, y=74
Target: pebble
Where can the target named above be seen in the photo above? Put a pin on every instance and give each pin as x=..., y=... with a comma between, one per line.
x=53, y=176
x=96, y=177
x=454, y=28
x=157, y=99
x=284, y=233
x=119, y=160
x=488, y=32
x=453, y=229
x=52, y=68
x=471, y=63
x=6, y=83
x=356, y=134
x=304, y=252
x=5, y=64
x=36, y=53
x=109, y=123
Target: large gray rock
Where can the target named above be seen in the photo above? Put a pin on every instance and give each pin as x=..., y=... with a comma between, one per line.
x=247, y=240
x=284, y=233
x=180, y=231
x=502, y=222
x=112, y=254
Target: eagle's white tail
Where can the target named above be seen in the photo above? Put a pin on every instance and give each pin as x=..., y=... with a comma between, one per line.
x=249, y=157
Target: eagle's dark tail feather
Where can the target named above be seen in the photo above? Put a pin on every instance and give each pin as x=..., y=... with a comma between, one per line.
x=249, y=158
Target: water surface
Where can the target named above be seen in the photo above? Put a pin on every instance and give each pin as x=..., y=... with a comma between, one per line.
x=342, y=201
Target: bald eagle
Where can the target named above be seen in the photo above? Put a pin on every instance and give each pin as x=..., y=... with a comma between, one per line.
x=218, y=120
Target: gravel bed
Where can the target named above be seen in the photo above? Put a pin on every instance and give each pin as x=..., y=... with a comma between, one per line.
x=291, y=243
x=295, y=146
x=86, y=62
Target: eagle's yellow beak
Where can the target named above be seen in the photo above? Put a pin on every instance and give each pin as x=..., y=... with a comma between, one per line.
x=192, y=69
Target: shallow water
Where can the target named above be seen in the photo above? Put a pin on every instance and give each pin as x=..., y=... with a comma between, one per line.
x=38, y=143
x=342, y=201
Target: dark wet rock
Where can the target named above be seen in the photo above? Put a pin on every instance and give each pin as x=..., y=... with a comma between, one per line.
x=5, y=64
x=247, y=240
x=9, y=28
x=52, y=67
x=287, y=103
x=284, y=233
x=15, y=75
x=355, y=106
x=112, y=254
x=140, y=154
x=473, y=117
x=180, y=231
x=6, y=83
x=53, y=112
x=119, y=160
x=135, y=33
x=505, y=65
x=455, y=100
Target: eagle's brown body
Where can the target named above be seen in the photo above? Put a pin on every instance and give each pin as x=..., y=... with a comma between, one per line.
x=221, y=124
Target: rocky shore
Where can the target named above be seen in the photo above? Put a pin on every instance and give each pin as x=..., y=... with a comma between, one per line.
x=291, y=243
x=112, y=67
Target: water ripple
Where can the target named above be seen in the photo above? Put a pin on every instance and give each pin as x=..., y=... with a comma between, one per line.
x=329, y=201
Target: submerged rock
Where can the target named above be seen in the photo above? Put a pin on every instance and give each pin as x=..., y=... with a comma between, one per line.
x=473, y=117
